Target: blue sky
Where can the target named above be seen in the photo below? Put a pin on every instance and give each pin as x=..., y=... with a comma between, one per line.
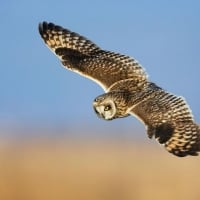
x=164, y=36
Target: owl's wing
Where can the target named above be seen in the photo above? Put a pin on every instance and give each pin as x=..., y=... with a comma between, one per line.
x=169, y=119
x=80, y=55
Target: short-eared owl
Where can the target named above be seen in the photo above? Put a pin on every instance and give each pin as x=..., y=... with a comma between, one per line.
x=128, y=91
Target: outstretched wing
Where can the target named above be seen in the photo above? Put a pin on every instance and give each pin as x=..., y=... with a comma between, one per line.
x=169, y=119
x=80, y=55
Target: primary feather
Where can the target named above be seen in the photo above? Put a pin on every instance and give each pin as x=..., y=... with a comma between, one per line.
x=80, y=55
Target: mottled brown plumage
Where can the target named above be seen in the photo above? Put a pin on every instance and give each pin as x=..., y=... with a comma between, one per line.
x=128, y=91
x=84, y=57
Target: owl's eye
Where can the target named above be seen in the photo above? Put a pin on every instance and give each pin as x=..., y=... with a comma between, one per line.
x=108, y=107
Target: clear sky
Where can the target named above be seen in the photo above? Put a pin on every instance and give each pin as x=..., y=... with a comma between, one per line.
x=164, y=36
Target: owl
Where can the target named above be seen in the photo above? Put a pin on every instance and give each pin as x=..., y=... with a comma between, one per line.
x=128, y=91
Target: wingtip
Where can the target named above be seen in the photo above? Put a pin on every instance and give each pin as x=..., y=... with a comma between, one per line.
x=42, y=27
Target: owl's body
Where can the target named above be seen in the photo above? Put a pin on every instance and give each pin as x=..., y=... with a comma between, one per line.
x=128, y=90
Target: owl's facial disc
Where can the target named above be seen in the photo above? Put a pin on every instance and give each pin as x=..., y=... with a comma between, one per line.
x=105, y=109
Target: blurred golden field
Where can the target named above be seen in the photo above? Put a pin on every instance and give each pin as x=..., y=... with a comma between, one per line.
x=95, y=169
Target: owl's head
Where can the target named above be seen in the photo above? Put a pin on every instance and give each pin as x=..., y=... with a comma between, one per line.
x=110, y=106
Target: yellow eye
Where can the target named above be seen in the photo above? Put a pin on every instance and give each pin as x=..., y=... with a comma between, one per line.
x=108, y=107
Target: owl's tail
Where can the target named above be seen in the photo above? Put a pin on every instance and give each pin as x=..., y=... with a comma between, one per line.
x=181, y=139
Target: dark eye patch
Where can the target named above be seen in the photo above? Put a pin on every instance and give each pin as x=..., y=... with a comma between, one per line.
x=107, y=107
